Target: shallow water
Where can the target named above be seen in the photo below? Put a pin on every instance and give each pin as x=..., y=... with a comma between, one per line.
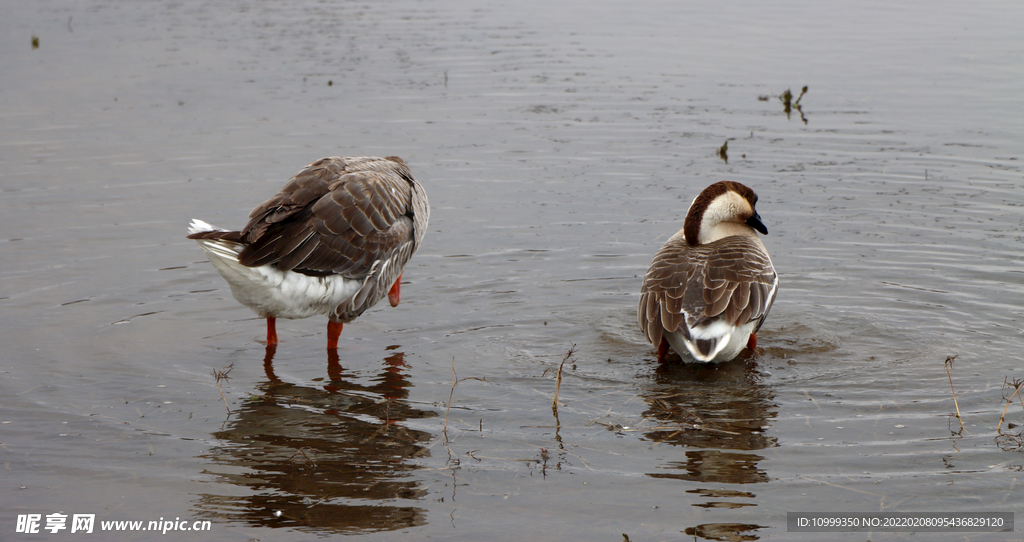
x=560, y=147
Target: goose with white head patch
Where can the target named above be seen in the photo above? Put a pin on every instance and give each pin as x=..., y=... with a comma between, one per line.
x=710, y=287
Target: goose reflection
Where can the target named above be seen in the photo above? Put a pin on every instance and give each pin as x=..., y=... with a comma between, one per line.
x=321, y=459
x=717, y=414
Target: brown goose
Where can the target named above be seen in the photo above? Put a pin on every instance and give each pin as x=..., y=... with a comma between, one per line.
x=712, y=284
x=333, y=241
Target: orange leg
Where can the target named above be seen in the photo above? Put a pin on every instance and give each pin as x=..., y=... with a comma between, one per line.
x=268, y=363
x=752, y=342
x=271, y=330
x=662, y=350
x=395, y=291
x=333, y=370
x=333, y=331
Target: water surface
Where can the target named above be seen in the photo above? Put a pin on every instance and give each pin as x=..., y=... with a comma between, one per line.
x=560, y=146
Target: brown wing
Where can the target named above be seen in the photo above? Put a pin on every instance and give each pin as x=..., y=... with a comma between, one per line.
x=337, y=216
x=731, y=278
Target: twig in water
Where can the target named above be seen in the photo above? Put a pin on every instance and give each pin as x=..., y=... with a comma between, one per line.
x=1017, y=385
x=305, y=458
x=451, y=394
x=800, y=97
x=949, y=363
x=788, y=105
x=1005, y=440
x=222, y=374
x=558, y=379
x=448, y=407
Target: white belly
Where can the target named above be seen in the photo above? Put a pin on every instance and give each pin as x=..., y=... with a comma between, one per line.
x=272, y=292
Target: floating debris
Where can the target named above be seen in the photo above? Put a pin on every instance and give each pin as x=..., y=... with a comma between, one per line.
x=35, y=42
x=723, y=152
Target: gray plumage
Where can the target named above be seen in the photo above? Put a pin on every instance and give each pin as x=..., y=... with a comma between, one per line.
x=357, y=219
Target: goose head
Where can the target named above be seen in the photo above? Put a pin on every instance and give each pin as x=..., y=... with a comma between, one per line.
x=722, y=209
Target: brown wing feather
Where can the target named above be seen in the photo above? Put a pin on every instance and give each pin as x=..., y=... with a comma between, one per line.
x=337, y=216
x=666, y=291
x=730, y=278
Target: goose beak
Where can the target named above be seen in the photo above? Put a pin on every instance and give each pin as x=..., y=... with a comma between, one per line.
x=755, y=222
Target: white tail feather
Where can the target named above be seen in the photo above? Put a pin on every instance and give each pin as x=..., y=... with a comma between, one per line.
x=198, y=226
x=225, y=250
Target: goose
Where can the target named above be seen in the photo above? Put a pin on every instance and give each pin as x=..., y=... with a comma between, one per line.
x=710, y=287
x=333, y=241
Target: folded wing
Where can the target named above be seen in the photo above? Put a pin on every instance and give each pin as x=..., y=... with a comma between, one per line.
x=730, y=279
x=336, y=217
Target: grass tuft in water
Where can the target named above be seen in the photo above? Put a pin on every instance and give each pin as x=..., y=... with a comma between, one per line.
x=1005, y=440
x=788, y=104
x=723, y=152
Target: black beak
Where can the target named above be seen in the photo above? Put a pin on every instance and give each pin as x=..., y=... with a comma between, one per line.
x=755, y=222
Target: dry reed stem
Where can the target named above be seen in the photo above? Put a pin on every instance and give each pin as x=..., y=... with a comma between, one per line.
x=558, y=380
x=305, y=458
x=949, y=363
x=1017, y=385
x=222, y=374
x=448, y=407
x=838, y=486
